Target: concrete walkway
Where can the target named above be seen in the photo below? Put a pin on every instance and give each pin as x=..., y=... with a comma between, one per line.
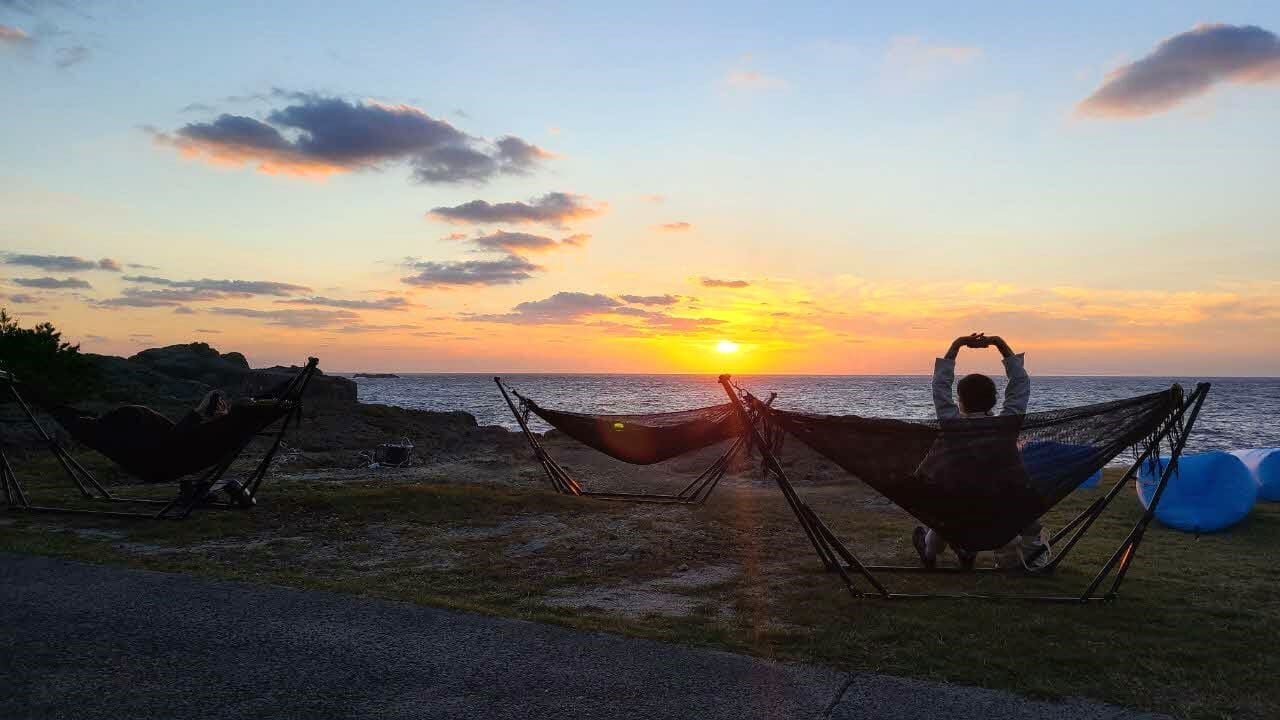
x=83, y=641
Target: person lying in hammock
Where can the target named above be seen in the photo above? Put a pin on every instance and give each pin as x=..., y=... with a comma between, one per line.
x=975, y=397
x=142, y=419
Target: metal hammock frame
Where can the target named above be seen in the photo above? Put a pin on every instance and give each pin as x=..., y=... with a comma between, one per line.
x=837, y=557
x=694, y=493
x=192, y=494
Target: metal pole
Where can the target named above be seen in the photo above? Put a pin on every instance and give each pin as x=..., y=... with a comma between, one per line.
x=556, y=482
x=1125, y=548
x=824, y=541
x=1202, y=391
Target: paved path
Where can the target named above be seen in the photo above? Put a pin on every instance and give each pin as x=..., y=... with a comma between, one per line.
x=83, y=641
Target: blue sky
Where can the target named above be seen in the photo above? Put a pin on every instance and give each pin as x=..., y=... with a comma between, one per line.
x=884, y=164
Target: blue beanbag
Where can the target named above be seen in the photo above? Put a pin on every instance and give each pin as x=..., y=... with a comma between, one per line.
x=1265, y=466
x=1206, y=493
x=1045, y=454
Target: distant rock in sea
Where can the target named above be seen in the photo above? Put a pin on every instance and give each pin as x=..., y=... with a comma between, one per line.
x=375, y=375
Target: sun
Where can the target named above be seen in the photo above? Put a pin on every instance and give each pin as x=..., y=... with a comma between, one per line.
x=726, y=347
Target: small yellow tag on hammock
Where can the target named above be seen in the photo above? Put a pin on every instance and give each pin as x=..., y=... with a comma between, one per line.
x=618, y=427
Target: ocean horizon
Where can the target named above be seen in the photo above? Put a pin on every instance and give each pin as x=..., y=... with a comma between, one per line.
x=1237, y=414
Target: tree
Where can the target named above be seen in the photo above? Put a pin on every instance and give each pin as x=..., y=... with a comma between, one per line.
x=46, y=366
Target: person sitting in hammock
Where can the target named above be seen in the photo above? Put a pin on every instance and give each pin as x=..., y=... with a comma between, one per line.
x=136, y=431
x=975, y=397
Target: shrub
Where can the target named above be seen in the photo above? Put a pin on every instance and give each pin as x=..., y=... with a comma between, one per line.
x=45, y=365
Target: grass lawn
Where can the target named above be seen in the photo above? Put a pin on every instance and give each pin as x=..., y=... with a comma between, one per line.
x=1193, y=634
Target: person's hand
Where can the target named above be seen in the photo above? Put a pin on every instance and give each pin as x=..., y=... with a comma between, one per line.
x=974, y=340
x=1001, y=345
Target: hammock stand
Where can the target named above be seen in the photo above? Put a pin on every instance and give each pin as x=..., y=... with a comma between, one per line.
x=695, y=493
x=199, y=492
x=836, y=557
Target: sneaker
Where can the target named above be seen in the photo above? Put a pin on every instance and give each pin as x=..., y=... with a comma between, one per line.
x=918, y=542
x=1034, y=554
x=239, y=494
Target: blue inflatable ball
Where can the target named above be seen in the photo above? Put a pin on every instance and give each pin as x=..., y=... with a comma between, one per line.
x=1046, y=455
x=1265, y=466
x=1206, y=493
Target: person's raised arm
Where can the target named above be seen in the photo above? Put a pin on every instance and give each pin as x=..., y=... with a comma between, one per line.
x=944, y=375
x=1017, y=394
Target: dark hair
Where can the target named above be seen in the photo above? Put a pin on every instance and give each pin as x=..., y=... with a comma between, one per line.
x=977, y=393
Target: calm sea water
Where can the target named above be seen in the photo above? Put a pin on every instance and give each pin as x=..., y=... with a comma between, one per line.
x=1239, y=413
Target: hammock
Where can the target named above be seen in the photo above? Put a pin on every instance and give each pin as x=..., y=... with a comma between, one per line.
x=637, y=439
x=154, y=449
x=645, y=439
x=979, y=481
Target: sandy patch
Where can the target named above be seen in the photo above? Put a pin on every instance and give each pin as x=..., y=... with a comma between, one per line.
x=652, y=597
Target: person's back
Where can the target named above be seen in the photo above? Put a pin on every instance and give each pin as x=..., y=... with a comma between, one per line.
x=975, y=397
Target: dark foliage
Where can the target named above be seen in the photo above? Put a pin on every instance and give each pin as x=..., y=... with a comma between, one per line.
x=46, y=367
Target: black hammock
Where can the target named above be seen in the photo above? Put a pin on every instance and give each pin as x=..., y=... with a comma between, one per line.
x=155, y=450
x=638, y=439
x=980, y=481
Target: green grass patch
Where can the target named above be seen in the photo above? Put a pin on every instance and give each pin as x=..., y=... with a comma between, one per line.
x=1192, y=633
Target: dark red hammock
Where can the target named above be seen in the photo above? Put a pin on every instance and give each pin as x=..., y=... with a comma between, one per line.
x=646, y=439
x=978, y=482
x=150, y=446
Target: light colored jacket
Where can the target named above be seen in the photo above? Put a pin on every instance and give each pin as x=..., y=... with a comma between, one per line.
x=1016, y=395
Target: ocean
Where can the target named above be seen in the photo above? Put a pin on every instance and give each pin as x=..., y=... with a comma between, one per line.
x=1239, y=413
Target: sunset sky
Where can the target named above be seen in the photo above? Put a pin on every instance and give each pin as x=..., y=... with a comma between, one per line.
x=573, y=187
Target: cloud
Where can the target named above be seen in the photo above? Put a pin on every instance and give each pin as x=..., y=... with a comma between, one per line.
x=134, y=297
x=10, y=35
x=177, y=292
x=566, y=308
x=294, y=318
x=911, y=59
x=222, y=288
x=24, y=298
x=516, y=243
x=744, y=79
x=675, y=227
x=68, y=57
x=651, y=299
x=563, y=307
x=61, y=263
x=184, y=310
x=208, y=331
x=49, y=283
x=655, y=198
x=1185, y=66
x=717, y=283
x=505, y=271
x=362, y=328
x=555, y=209
x=319, y=135
x=393, y=302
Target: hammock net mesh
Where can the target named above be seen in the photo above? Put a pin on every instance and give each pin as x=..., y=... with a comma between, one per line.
x=980, y=481
x=148, y=446
x=646, y=439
